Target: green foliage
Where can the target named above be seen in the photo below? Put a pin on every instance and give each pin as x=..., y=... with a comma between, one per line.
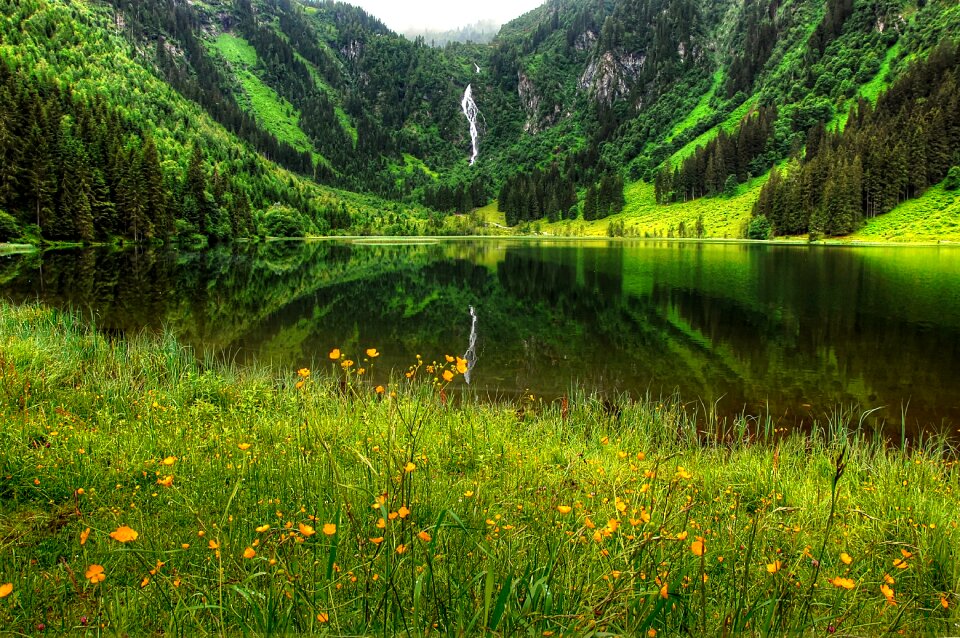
x=723, y=163
x=730, y=186
x=9, y=229
x=283, y=221
x=759, y=228
x=952, y=182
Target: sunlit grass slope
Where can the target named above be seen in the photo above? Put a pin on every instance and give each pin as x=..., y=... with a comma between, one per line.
x=143, y=493
x=723, y=217
x=933, y=216
x=274, y=113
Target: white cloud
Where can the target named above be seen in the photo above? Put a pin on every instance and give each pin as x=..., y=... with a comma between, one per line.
x=401, y=15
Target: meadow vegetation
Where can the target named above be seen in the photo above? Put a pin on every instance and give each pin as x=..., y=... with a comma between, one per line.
x=142, y=491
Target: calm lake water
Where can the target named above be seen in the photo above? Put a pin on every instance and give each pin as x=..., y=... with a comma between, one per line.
x=796, y=330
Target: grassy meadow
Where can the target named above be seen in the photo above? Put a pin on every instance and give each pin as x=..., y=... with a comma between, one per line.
x=143, y=492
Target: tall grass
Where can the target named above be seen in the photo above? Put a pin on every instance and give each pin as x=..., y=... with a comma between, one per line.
x=420, y=509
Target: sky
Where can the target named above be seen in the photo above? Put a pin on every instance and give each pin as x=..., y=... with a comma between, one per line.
x=401, y=15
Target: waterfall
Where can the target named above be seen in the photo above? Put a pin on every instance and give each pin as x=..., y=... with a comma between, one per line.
x=470, y=110
x=471, y=354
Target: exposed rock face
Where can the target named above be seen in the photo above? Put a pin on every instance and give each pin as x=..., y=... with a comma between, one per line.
x=585, y=41
x=609, y=77
x=353, y=50
x=532, y=102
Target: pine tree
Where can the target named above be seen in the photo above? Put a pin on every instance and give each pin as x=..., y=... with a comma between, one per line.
x=11, y=153
x=133, y=220
x=74, y=213
x=590, y=204
x=196, y=189
x=41, y=176
x=104, y=209
x=157, y=210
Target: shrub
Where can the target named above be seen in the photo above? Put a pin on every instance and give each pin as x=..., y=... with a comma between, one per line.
x=283, y=221
x=9, y=230
x=730, y=186
x=759, y=228
x=952, y=182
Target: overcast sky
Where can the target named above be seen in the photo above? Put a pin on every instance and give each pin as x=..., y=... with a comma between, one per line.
x=401, y=15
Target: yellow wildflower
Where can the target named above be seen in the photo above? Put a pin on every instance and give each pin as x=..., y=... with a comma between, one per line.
x=124, y=534
x=843, y=583
x=887, y=592
x=95, y=574
x=698, y=547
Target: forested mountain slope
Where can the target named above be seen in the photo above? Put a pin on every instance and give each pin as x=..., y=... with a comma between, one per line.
x=94, y=145
x=153, y=118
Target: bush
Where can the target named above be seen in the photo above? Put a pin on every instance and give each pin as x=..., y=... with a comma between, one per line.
x=952, y=182
x=730, y=186
x=9, y=230
x=759, y=228
x=283, y=221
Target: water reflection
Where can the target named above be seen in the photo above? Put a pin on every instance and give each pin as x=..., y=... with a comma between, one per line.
x=793, y=328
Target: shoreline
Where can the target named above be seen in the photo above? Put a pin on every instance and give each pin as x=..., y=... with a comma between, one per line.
x=19, y=248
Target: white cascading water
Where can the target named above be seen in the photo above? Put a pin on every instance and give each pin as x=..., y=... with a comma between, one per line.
x=470, y=110
x=471, y=354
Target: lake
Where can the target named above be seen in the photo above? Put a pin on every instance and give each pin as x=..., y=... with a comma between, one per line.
x=793, y=331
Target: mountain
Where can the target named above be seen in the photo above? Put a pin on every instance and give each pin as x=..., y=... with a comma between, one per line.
x=480, y=32
x=165, y=118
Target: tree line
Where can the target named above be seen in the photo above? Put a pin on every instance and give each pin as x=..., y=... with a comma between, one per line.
x=552, y=194
x=459, y=197
x=539, y=194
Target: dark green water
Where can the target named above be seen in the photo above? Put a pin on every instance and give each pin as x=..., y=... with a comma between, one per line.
x=797, y=330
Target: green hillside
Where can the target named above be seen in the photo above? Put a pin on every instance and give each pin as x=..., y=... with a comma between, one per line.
x=280, y=117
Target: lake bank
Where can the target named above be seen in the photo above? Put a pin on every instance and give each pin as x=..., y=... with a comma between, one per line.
x=136, y=482
x=15, y=248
